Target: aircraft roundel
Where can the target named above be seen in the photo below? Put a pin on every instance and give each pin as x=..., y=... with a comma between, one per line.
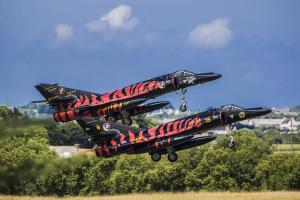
x=242, y=114
x=106, y=126
x=162, y=85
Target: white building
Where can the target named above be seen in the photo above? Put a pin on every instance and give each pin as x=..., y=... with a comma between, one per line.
x=283, y=124
x=68, y=151
x=289, y=125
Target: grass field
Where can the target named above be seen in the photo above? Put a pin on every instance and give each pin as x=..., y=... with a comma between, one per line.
x=178, y=196
x=286, y=148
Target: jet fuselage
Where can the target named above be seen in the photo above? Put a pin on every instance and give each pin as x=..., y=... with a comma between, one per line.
x=70, y=104
x=179, y=134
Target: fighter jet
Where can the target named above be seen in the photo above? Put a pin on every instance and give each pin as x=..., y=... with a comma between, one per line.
x=113, y=139
x=71, y=104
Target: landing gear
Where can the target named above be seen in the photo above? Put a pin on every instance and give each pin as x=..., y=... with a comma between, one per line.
x=111, y=119
x=231, y=143
x=155, y=156
x=172, y=156
x=126, y=119
x=183, y=106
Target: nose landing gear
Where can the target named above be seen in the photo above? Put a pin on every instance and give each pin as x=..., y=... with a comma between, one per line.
x=183, y=106
x=230, y=127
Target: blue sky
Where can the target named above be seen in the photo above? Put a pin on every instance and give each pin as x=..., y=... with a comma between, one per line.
x=104, y=45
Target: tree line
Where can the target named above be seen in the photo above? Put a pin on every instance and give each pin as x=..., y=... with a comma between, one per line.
x=29, y=167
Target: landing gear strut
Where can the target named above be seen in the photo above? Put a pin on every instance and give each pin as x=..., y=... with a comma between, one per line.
x=126, y=119
x=231, y=143
x=183, y=106
x=155, y=156
x=172, y=156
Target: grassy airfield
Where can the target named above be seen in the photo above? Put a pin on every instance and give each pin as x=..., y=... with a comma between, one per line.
x=286, y=148
x=177, y=196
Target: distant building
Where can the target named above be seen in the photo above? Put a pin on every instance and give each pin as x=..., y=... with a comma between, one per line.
x=289, y=125
x=285, y=111
x=32, y=113
x=283, y=124
x=68, y=151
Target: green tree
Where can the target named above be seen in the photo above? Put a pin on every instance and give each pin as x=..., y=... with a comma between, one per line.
x=128, y=174
x=97, y=176
x=229, y=169
x=9, y=114
x=279, y=171
x=68, y=134
x=63, y=176
x=165, y=177
x=21, y=158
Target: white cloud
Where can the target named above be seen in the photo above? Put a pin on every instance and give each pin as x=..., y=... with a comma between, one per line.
x=213, y=35
x=63, y=32
x=119, y=18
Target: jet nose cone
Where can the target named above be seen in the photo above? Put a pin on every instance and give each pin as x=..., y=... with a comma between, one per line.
x=206, y=77
x=264, y=111
x=257, y=112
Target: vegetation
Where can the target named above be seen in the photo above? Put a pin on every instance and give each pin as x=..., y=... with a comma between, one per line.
x=29, y=167
x=178, y=196
x=275, y=137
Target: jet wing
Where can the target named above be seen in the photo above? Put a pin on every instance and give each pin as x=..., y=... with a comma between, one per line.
x=122, y=104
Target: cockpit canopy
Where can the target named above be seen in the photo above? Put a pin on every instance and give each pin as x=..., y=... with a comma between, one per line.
x=183, y=73
x=231, y=108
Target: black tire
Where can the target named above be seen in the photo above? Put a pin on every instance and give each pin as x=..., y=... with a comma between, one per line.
x=172, y=157
x=231, y=144
x=127, y=121
x=111, y=119
x=155, y=157
x=183, y=108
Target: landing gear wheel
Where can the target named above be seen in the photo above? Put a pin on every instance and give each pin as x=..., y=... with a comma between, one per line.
x=172, y=157
x=127, y=121
x=126, y=118
x=183, y=101
x=155, y=157
x=111, y=119
x=231, y=144
x=183, y=108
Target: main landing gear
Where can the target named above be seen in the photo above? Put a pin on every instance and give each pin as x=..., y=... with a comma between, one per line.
x=111, y=119
x=230, y=127
x=172, y=156
x=155, y=156
x=183, y=106
x=126, y=119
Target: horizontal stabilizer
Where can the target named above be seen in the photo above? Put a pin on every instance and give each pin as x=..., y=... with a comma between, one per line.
x=96, y=127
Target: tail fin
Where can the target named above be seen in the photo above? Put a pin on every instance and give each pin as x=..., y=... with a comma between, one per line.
x=50, y=91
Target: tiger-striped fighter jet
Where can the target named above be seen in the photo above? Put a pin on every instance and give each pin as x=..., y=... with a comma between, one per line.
x=72, y=104
x=113, y=139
